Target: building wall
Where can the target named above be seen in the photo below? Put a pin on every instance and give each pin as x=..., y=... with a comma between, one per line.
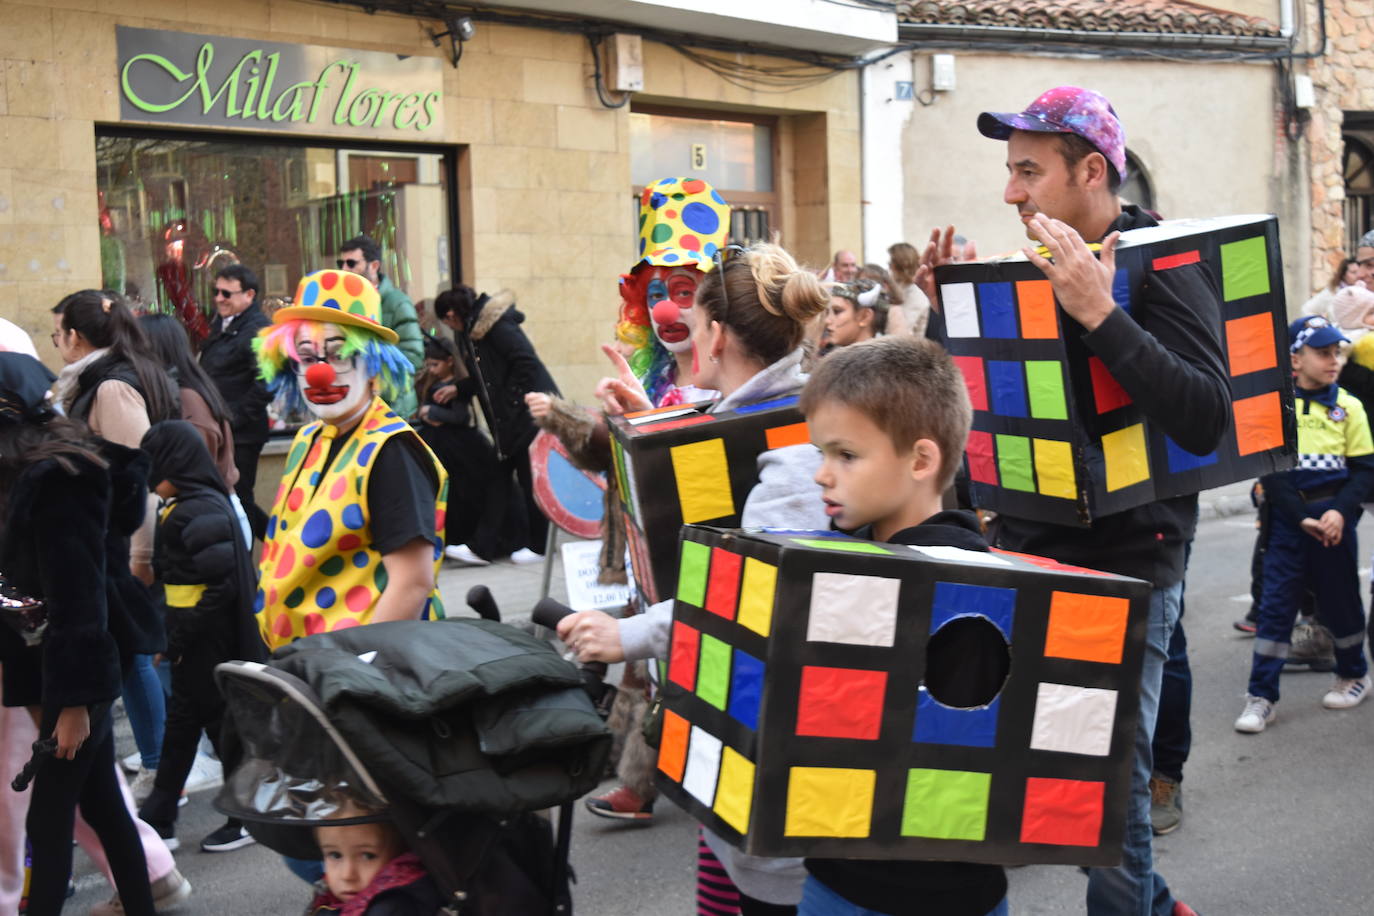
x=545, y=175
x=1342, y=80
x=1205, y=153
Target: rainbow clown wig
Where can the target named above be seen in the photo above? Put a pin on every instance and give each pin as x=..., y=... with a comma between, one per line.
x=352, y=303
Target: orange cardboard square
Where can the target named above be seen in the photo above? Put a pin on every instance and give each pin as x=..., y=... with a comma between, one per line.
x=1259, y=423
x=1250, y=343
x=1091, y=628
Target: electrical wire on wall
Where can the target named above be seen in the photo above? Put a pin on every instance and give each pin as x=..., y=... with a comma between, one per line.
x=595, y=42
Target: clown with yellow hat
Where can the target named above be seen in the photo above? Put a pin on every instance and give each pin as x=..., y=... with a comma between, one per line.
x=352, y=538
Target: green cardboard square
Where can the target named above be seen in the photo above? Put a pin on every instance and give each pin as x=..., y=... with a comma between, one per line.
x=713, y=672
x=1244, y=269
x=1045, y=387
x=841, y=544
x=946, y=804
x=1014, y=462
x=691, y=574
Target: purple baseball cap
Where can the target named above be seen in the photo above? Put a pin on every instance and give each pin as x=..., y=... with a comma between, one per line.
x=1066, y=110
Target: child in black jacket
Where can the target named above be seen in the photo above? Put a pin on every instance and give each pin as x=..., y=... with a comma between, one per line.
x=890, y=417
x=208, y=579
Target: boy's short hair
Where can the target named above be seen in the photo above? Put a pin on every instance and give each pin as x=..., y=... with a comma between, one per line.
x=908, y=387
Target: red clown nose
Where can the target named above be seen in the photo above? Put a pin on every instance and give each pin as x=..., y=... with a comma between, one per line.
x=666, y=312
x=320, y=375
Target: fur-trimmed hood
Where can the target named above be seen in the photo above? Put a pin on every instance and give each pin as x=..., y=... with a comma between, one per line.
x=490, y=309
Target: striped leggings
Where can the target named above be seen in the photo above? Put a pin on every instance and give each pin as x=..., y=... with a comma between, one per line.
x=717, y=894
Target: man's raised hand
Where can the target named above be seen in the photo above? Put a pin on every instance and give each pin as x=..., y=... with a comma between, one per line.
x=623, y=392
x=1082, y=282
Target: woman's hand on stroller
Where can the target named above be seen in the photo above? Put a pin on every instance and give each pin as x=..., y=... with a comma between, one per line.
x=594, y=636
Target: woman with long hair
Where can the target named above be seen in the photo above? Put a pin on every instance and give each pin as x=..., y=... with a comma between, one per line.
x=1347, y=273
x=113, y=384
x=747, y=344
x=201, y=403
x=903, y=262
x=68, y=502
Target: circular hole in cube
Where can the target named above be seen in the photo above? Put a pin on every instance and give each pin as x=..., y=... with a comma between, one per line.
x=967, y=662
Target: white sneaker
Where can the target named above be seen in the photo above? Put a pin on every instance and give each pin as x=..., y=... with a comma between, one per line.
x=1258, y=713
x=142, y=785
x=463, y=554
x=524, y=556
x=206, y=773
x=1346, y=692
x=133, y=763
x=168, y=891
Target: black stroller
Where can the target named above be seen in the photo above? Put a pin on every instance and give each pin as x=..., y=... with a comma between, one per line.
x=459, y=731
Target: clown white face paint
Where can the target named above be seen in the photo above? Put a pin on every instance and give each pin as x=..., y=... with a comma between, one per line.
x=335, y=387
x=669, y=295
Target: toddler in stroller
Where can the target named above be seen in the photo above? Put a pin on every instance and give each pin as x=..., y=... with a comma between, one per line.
x=453, y=733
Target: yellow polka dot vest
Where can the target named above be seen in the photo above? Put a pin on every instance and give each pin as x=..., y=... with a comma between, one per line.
x=319, y=571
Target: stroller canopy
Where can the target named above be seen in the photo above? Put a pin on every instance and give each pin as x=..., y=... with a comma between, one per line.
x=470, y=716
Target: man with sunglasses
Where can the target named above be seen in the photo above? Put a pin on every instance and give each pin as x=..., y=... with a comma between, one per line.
x=363, y=256
x=227, y=357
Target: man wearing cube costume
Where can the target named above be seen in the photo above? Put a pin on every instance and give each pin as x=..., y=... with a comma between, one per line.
x=352, y=535
x=1066, y=158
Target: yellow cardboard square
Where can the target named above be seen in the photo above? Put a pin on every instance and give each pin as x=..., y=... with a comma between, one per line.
x=703, y=480
x=829, y=801
x=1127, y=459
x=735, y=791
x=756, y=596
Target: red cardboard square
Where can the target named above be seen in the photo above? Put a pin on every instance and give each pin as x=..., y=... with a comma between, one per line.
x=982, y=462
x=971, y=367
x=1107, y=391
x=722, y=590
x=682, y=658
x=1063, y=812
x=841, y=703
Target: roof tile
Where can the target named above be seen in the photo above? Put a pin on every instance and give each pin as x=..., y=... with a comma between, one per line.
x=1177, y=17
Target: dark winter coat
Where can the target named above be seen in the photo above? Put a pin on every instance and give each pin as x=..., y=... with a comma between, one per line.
x=66, y=541
x=227, y=357
x=113, y=369
x=509, y=368
x=200, y=558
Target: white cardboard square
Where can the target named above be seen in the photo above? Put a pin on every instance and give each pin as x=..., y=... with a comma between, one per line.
x=961, y=309
x=960, y=555
x=703, y=765
x=856, y=610
x=1075, y=720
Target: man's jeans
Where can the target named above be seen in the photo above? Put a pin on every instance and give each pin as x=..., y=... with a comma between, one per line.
x=1133, y=888
x=1173, y=726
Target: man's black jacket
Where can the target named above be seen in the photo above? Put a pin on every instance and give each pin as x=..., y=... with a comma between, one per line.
x=227, y=357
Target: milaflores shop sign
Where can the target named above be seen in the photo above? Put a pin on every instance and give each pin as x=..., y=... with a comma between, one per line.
x=209, y=80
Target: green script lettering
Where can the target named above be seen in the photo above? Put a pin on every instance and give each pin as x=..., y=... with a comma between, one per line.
x=267, y=85
x=177, y=76
x=430, y=99
x=401, y=107
x=373, y=98
x=341, y=111
x=295, y=111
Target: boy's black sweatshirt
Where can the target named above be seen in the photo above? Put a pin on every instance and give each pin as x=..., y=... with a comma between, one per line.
x=907, y=887
x=1169, y=360
x=200, y=558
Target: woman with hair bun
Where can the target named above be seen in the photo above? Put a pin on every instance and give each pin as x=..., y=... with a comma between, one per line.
x=747, y=344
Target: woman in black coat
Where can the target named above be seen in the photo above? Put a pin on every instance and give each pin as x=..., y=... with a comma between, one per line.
x=499, y=353
x=69, y=502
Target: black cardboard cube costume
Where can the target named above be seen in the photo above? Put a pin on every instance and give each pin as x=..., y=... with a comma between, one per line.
x=798, y=719
x=682, y=466
x=1055, y=438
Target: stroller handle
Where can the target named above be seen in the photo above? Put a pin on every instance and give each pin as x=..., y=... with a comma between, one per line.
x=548, y=612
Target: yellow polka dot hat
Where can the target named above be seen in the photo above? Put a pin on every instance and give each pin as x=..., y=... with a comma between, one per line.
x=339, y=296
x=682, y=223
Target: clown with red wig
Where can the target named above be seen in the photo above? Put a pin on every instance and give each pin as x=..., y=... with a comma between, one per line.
x=352, y=535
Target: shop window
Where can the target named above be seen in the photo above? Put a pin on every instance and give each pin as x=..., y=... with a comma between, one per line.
x=735, y=153
x=1359, y=188
x=1136, y=188
x=175, y=208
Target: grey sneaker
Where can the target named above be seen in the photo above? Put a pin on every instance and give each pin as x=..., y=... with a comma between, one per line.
x=1166, y=812
x=1311, y=645
x=142, y=785
x=168, y=891
x=1258, y=713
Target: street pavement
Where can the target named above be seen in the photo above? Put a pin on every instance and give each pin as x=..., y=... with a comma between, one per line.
x=1276, y=824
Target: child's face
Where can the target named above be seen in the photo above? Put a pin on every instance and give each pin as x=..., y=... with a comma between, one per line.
x=439, y=368
x=166, y=489
x=845, y=323
x=1317, y=367
x=354, y=854
x=864, y=480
